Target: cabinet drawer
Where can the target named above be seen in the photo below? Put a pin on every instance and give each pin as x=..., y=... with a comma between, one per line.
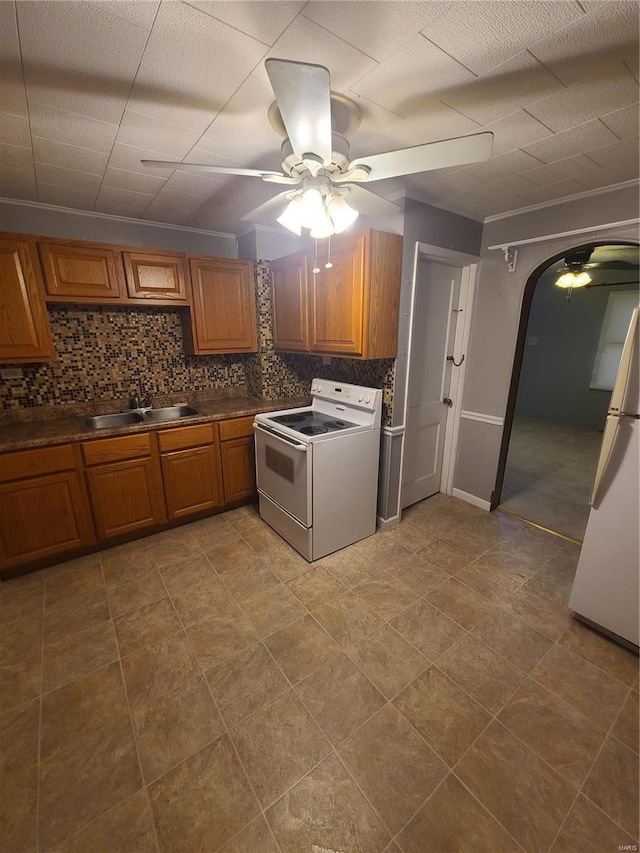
x=185, y=437
x=31, y=463
x=236, y=428
x=115, y=449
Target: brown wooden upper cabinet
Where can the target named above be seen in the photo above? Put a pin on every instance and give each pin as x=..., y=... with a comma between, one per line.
x=25, y=335
x=81, y=273
x=156, y=276
x=351, y=309
x=223, y=308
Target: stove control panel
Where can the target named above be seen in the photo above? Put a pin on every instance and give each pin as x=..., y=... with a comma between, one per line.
x=342, y=392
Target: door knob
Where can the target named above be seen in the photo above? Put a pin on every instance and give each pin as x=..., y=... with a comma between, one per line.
x=448, y=401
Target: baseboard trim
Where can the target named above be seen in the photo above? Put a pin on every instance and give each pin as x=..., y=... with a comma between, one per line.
x=388, y=523
x=482, y=418
x=471, y=499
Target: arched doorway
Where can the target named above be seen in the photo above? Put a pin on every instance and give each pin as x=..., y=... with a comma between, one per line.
x=561, y=384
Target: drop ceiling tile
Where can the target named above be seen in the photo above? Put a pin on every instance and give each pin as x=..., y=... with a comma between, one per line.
x=18, y=183
x=513, y=185
x=71, y=128
x=586, y=100
x=611, y=176
x=501, y=205
x=197, y=155
x=503, y=166
x=572, y=167
x=68, y=156
x=504, y=90
x=483, y=35
x=182, y=203
x=14, y=130
x=551, y=192
x=128, y=158
x=134, y=12
x=515, y=131
x=434, y=121
x=122, y=202
x=241, y=132
x=16, y=157
x=448, y=185
x=305, y=41
x=191, y=66
x=469, y=198
x=12, y=95
x=409, y=79
x=67, y=178
x=616, y=153
x=570, y=142
x=377, y=29
x=623, y=122
x=194, y=184
x=66, y=196
x=585, y=47
x=265, y=21
x=143, y=131
x=121, y=179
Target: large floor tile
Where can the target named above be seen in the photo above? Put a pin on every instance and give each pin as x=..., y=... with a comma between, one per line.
x=19, y=736
x=446, y=555
x=518, y=788
x=204, y=801
x=386, y=595
x=213, y=532
x=350, y=567
x=393, y=766
x=146, y=625
x=272, y=609
x=601, y=651
x=206, y=599
x=156, y=669
x=134, y=589
x=388, y=660
x=301, y=647
x=78, y=654
x=278, y=745
x=326, y=811
x=256, y=838
x=418, y=574
x=445, y=716
x=627, y=726
x=348, y=619
x=20, y=681
x=339, y=697
x=462, y=604
x=589, y=830
x=613, y=784
x=217, y=639
x=246, y=682
x=128, y=827
x=427, y=628
x=548, y=617
x=453, y=820
x=172, y=546
x=18, y=811
x=86, y=780
x=510, y=637
x=315, y=587
x=554, y=730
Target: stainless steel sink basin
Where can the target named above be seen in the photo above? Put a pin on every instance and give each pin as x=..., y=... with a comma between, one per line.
x=170, y=413
x=120, y=419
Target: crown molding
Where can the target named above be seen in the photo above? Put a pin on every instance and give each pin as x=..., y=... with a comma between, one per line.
x=112, y=217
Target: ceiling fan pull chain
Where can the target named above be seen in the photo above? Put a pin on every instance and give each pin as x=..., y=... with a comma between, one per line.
x=328, y=265
x=316, y=268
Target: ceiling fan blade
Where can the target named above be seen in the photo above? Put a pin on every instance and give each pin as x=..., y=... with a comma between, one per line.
x=424, y=158
x=303, y=94
x=218, y=170
x=369, y=203
x=272, y=206
x=611, y=265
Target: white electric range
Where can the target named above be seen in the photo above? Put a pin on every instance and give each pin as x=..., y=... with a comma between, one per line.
x=317, y=468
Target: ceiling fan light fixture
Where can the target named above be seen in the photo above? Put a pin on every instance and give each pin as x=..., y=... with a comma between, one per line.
x=341, y=213
x=291, y=217
x=573, y=279
x=311, y=207
x=323, y=226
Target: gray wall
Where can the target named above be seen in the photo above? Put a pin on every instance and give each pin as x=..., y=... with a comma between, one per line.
x=497, y=315
x=556, y=372
x=100, y=228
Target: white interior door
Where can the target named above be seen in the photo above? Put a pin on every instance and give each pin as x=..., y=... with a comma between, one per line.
x=436, y=296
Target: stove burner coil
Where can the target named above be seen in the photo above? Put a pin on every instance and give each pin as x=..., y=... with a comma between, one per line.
x=313, y=430
x=291, y=419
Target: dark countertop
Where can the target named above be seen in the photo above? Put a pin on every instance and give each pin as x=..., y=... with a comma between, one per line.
x=41, y=433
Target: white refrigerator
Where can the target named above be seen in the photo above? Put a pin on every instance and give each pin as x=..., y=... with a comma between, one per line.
x=605, y=590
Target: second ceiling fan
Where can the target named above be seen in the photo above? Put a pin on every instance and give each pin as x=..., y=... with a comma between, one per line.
x=325, y=192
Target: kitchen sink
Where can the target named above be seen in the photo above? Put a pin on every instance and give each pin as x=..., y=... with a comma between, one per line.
x=167, y=413
x=120, y=419
x=170, y=413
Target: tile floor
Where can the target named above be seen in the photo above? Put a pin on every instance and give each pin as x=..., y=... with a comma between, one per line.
x=549, y=474
x=207, y=689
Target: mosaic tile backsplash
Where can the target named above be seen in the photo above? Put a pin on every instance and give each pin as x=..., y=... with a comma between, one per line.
x=106, y=353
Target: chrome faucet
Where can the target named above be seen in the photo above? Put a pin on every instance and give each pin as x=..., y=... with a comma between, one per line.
x=140, y=400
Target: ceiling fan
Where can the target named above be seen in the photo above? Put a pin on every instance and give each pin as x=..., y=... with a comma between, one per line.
x=578, y=264
x=325, y=192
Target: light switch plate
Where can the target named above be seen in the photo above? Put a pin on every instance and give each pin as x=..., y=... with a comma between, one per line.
x=11, y=373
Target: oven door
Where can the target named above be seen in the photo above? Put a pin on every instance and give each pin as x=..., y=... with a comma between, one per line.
x=283, y=470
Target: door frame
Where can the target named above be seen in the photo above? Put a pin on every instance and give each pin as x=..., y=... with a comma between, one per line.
x=468, y=265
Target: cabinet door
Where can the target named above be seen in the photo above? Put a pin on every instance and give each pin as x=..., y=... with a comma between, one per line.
x=25, y=334
x=238, y=469
x=81, y=273
x=155, y=276
x=192, y=480
x=337, y=301
x=42, y=516
x=126, y=496
x=223, y=311
x=289, y=278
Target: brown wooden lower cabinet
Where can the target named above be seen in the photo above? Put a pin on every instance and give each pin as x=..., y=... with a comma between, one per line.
x=126, y=496
x=238, y=468
x=192, y=480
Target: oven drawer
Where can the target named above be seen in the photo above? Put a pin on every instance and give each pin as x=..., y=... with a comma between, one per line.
x=290, y=529
x=283, y=472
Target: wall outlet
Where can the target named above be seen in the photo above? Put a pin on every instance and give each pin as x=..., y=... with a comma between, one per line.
x=11, y=373
x=532, y=342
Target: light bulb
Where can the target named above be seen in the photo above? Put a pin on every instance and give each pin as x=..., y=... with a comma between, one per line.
x=291, y=217
x=573, y=279
x=310, y=207
x=342, y=214
x=322, y=226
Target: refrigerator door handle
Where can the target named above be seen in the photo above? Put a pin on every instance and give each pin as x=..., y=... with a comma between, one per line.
x=608, y=440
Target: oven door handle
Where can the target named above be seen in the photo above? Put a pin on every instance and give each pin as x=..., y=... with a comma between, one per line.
x=294, y=444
